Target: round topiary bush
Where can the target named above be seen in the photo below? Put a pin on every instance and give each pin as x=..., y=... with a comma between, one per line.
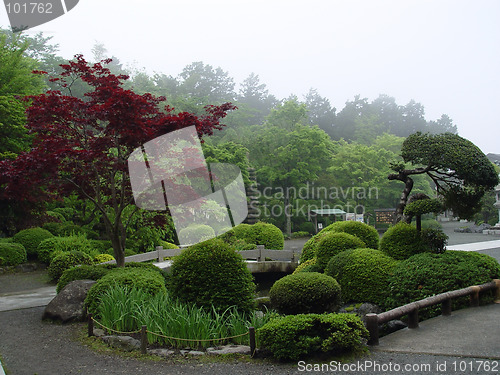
x=364, y=232
x=53, y=227
x=12, y=254
x=212, y=273
x=305, y=292
x=363, y=274
x=101, y=258
x=196, y=233
x=147, y=280
x=268, y=235
x=50, y=247
x=402, y=241
x=309, y=248
x=293, y=337
x=427, y=274
x=83, y=272
x=167, y=245
x=333, y=243
x=63, y=261
x=31, y=238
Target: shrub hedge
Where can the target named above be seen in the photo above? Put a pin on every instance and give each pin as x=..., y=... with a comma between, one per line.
x=31, y=238
x=12, y=254
x=427, y=274
x=259, y=233
x=196, y=233
x=303, y=265
x=364, y=232
x=309, y=248
x=212, y=273
x=101, y=258
x=401, y=241
x=333, y=243
x=299, y=336
x=50, y=247
x=147, y=280
x=363, y=274
x=65, y=260
x=305, y=292
x=83, y=272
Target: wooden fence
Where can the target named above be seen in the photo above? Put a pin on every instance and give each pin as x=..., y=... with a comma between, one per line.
x=411, y=309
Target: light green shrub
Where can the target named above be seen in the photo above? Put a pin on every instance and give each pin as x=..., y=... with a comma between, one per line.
x=196, y=233
x=305, y=292
x=309, y=249
x=83, y=272
x=333, y=243
x=364, y=232
x=66, y=260
x=31, y=238
x=50, y=247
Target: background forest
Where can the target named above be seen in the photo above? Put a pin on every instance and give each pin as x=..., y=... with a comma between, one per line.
x=296, y=144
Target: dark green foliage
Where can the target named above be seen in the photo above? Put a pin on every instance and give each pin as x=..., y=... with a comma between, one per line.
x=54, y=228
x=402, y=241
x=435, y=239
x=83, y=272
x=102, y=246
x=69, y=229
x=142, y=278
x=259, y=233
x=63, y=261
x=364, y=232
x=12, y=254
x=304, y=265
x=31, y=238
x=461, y=171
x=196, y=233
x=309, y=249
x=50, y=247
x=423, y=206
x=300, y=234
x=305, y=292
x=363, y=274
x=298, y=336
x=212, y=273
x=425, y=275
x=333, y=243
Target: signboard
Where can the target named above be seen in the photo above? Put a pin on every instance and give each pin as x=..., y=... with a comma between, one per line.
x=354, y=217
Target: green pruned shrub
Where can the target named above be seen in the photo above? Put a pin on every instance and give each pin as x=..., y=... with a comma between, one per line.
x=305, y=292
x=300, y=234
x=268, y=235
x=167, y=245
x=50, y=247
x=53, y=227
x=303, y=265
x=364, y=232
x=101, y=258
x=196, y=233
x=31, y=238
x=212, y=273
x=426, y=274
x=309, y=248
x=6, y=240
x=147, y=280
x=435, y=239
x=363, y=274
x=101, y=246
x=83, y=272
x=299, y=336
x=402, y=241
x=66, y=260
x=12, y=254
x=333, y=243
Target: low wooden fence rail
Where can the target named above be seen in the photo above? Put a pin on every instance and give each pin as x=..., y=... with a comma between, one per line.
x=259, y=254
x=411, y=309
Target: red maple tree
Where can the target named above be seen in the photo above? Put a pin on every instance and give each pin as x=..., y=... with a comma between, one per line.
x=82, y=145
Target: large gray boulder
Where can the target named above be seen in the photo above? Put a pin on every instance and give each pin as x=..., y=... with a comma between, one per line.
x=68, y=305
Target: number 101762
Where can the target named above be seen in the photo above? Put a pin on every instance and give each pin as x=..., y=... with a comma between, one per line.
x=29, y=8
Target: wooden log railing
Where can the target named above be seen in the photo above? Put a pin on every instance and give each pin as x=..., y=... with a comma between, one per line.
x=411, y=309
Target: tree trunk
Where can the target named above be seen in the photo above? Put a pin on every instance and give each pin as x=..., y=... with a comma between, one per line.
x=408, y=181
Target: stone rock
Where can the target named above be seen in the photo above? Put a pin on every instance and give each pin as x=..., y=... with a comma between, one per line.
x=362, y=310
x=98, y=332
x=392, y=326
x=125, y=343
x=67, y=306
x=230, y=349
x=161, y=352
x=26, y=267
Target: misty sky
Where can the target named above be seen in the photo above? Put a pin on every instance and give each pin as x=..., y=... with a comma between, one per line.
x=444, y=54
